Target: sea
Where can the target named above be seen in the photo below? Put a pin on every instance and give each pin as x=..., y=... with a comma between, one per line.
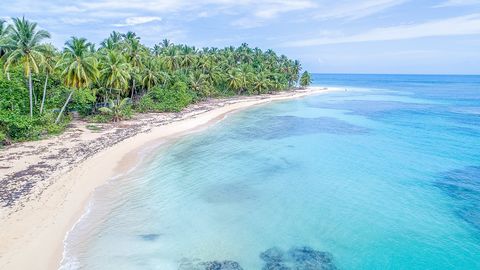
x=382, y=174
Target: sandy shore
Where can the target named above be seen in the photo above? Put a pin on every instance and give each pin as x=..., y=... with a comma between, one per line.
x=45, y=185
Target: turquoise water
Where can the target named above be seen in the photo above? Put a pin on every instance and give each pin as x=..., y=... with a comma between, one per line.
x=385, y=175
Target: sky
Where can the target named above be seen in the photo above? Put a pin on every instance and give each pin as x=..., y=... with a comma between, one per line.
x=342, y=36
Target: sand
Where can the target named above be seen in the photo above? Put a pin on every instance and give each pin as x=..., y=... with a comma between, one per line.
x=45, y=185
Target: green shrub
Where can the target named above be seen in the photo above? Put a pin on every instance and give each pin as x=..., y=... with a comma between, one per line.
x=83, y=102
x=171, y=99
x=3, y=138
x=20, y=127
x=118, y=110
x=14, y=96
x=147, y=104
x=99, y=118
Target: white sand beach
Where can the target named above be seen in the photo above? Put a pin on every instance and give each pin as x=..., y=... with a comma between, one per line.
x=46, y=185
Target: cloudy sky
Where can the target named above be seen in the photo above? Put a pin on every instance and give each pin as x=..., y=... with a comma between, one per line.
x=342, y=36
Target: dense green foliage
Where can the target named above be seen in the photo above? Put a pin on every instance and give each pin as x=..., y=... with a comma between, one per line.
x=39, y=84
x=306, y=79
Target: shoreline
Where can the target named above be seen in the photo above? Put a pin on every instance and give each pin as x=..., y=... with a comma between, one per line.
x=33, y=230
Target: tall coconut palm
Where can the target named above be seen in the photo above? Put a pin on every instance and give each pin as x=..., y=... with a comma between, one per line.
x=166, y=43
x=130, y=36
x=261, y=83
x=157, y=50
x=23, y=46
x=48, y=66
x=236, y=80
x=151, y=77
x=78, y=67
x=135, y=56
x=113, y=41
x=115, y=72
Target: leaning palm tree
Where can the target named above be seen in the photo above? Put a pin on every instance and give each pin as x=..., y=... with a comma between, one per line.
x=23, y=46
x=48, y=66
x=78, y=67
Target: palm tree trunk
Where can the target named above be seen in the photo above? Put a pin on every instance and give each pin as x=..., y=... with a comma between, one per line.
x=44, y=93
x=63, y=108
x=30, y=92
x=34, y=96
x=133, y=88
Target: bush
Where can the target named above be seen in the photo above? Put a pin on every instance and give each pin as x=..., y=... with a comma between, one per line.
x=82, y=102
x=20, y=127
x=171, y=99
x=99, y=118
x=118, y=110
x=3, y=138
x=14, y=96
x=147, y=104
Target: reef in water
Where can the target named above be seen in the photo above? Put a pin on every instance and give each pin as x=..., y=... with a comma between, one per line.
x=304, y=258
x=463, y=185
x=149, y=237
x=297, y=258
x=210, y=265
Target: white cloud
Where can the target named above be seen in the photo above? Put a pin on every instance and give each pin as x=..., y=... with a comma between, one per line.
x=271, y=10
x=462, y=25
x=355, y=10
x=131, y=21
x=264, y=11
x=453, y=3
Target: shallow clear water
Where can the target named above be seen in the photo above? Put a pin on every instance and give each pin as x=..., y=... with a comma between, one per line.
x=385, y=175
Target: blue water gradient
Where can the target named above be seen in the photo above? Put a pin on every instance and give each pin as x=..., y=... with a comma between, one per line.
x=382, y=175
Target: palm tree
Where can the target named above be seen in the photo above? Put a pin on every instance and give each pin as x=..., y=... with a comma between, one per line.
x=23, y=46
x=166, y=43
x=157, y=50
x=262, y=83
x=236, y=80
x=116, y=109
x=78, y=67
x=130, y=36
x=151, y=77
x=48, y=66
x=135, y=56
x=112, y=42
x=115, y=72
x=305, y=80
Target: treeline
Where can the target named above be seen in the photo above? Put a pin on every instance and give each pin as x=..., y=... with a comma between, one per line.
x=39, y=84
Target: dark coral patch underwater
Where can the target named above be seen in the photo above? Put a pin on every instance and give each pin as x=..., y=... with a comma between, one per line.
x=463, y=185
x=299, y=258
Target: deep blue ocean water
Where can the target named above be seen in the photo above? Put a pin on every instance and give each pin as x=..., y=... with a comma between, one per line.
x=382, y=175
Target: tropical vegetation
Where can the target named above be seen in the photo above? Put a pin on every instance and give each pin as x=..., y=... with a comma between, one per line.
x=305, y=80
x=40, y=85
